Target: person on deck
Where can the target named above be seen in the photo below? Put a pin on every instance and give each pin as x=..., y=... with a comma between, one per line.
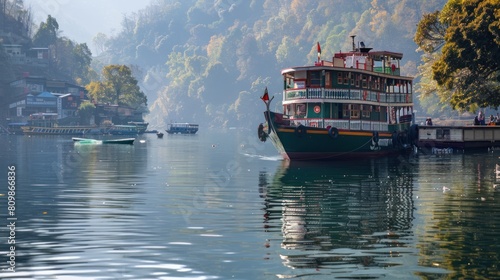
x=476, y=120
x=492, y=120
x=480, y=117
x=428, y=121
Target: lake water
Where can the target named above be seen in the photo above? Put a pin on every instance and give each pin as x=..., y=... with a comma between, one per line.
x=222, y=205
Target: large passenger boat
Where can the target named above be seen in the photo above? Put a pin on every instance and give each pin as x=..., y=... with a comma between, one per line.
x=46, y=124
x=357, y=105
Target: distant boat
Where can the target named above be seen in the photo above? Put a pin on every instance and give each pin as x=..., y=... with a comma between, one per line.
x=141, y=126
x=159, y=134
x=182, y=128
x=125, y=130
x=128, y=141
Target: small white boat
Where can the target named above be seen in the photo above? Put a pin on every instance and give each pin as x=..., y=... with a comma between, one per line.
x=128, y=141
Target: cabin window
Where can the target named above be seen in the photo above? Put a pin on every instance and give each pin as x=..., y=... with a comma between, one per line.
x=300, y=84
x=364, y=82
x=300, y=110
x=315, y=78
x=346, y=111
x=365, y=111
x=355, y=111
x=328, y=80
x=357, y=80
x=351, y=111
x=340, y=80
x=346, y=78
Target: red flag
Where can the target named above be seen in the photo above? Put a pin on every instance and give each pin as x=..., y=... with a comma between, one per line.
x=319, y=49
x=265, y=97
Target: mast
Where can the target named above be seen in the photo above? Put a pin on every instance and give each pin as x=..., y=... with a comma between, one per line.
x=353, y=43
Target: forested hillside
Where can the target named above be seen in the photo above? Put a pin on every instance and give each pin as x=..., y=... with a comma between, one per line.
x=209, y=61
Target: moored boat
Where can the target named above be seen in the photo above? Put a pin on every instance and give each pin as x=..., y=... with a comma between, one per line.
x=357, y=105
x=459, y=137
x=128, y=141
x=125, y=130
x=141, y=126
x=182, y=128
x=47, y=124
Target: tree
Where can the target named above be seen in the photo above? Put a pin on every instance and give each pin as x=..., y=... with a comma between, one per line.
x=86, y=111
x=82, y=57
x=100, y=42
x=47, y=33
x=468, y=68
x=119, y=87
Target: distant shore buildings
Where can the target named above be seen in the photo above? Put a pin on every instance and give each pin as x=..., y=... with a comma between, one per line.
x=32, y=94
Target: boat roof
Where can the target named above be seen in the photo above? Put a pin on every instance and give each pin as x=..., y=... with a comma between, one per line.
x=375, y=55
x=360, y=52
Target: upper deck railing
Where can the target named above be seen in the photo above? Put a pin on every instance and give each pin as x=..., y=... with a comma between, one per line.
x=347, y=94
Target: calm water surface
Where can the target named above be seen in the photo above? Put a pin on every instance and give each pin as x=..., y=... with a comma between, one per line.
x=221, y=205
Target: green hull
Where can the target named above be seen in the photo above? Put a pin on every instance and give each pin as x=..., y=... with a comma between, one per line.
x=126, y=141
x=312, y=143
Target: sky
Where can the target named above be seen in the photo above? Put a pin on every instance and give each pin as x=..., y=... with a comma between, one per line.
x=81, y=20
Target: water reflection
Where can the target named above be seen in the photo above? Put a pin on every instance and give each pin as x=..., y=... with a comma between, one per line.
x=459, y=215
x=350, y=218
x=75, y=203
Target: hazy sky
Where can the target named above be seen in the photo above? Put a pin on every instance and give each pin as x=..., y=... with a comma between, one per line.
x=81, y=20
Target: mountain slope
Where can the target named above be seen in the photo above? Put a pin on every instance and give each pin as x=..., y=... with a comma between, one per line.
x=209, y=61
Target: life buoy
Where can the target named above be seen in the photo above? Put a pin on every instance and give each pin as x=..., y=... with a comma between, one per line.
x=300, y=130
x=333, y=132
x=261, y=134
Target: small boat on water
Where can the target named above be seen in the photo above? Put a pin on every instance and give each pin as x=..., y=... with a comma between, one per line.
x=357, y=105
x=128, y=141
x=182, y=128
x=121, y=129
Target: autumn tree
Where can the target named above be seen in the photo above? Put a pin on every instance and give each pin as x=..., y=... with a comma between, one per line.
x=118, y=87
x=467, y=69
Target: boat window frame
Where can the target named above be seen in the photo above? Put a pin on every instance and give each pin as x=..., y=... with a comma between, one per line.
x=355, y=109
x=328, y=79
x=314, y=78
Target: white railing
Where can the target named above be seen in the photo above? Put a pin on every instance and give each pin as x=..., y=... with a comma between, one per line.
x=346, y=94
x=342, y=124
